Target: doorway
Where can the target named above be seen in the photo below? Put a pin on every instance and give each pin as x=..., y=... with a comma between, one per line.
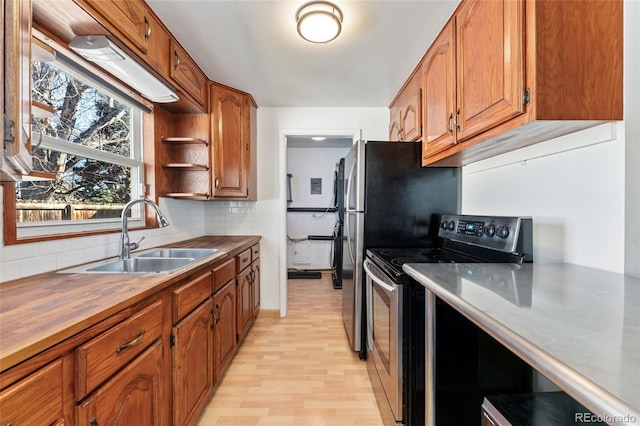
x=308, y=201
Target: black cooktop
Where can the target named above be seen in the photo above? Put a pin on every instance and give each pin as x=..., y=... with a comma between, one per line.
x=392, y=259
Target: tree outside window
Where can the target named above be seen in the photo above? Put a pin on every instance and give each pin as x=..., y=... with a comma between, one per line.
x=88, y=148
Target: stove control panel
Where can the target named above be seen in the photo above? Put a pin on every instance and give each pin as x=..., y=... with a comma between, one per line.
x=494, y=232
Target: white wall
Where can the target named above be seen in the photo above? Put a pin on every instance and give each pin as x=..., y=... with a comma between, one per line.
x=273, y=125
x=573, y=187
x=305, y=163
x=186, y=220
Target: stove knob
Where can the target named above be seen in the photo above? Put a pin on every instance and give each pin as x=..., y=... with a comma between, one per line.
x=490, y=230
x=503, y=232
x=443, y=225
x=452, y=225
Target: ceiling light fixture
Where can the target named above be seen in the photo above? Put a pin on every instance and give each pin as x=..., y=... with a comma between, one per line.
x=319, y=21
x=318, y=138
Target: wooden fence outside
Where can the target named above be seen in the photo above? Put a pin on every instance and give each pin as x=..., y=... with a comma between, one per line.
x=49, y=212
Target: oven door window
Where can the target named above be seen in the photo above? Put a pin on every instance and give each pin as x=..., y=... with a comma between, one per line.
x=382, y=327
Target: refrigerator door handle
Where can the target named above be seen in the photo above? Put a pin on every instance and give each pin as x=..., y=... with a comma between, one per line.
x=346, y=223
x=349, y=186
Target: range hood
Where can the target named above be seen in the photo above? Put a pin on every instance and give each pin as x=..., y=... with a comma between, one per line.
x=101, y=51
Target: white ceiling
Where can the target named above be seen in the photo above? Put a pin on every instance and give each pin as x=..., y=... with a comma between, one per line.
x=253, y=45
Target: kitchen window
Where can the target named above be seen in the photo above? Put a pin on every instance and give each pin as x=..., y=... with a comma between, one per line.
x=87, y=155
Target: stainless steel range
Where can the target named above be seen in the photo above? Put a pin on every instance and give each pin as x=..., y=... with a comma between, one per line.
x=395, y=304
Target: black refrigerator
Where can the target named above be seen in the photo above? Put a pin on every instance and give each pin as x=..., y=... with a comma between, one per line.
x=390, y=202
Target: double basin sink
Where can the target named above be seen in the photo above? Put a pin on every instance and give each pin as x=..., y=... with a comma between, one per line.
x=162, y=260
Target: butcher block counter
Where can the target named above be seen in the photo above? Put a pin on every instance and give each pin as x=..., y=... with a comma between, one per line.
x=41, y=311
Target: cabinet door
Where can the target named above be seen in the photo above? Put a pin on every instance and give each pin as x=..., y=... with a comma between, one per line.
x=405, y=110
x=224, y=330
x=438, y=85
x=230, y=142
x=410, y=119
x=395, y=130
x=159, y=47
x=36, y=399
x=255, y=280
x=131, y=397
x=192, y=363
x=244, y=307
x=187, y=74
x=490, y=64
x=16, y=159
x=128, y=17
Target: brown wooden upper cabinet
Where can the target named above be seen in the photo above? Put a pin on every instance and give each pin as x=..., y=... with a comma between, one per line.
x=506, y=74
x=233, y=139
x=473, y=73
x=405, y=112
x=158, y=47
x=129, y=17
x=186, y=73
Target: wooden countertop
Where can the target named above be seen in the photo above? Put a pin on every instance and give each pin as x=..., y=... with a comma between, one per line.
x=40, y=311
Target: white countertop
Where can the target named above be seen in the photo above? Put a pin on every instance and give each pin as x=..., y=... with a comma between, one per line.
x=578, y=326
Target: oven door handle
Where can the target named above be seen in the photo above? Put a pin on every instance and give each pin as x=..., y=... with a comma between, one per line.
x=389, y=289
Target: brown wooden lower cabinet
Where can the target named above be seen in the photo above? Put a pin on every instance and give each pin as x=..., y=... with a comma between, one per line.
x=41, y=392
x=191, y=341
x=255, y=277
x=117, y=373
x=244, y=306
x=224, y=329
x=134, y=396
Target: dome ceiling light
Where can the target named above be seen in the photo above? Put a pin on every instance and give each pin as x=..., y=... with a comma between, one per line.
x=319, y=21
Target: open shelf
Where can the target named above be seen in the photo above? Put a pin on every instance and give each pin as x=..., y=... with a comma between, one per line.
x=186, y=166
x=184, y=141
x=186, y=195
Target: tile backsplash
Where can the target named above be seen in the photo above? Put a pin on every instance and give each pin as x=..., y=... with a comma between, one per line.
x=230, y=218
x=187, y=220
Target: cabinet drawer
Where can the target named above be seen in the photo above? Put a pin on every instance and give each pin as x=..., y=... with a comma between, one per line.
x=134, y=396
x=255, y=252
x=188, y=296
x=223, y=273
x=102, y=356
x=243, y=260
x=36, y=399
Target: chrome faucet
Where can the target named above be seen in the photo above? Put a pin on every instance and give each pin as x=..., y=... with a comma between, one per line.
x=125, y=245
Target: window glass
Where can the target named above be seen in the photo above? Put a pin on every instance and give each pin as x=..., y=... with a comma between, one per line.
x=88, y=148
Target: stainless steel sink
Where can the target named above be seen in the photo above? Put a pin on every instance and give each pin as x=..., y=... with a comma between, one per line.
x=178, y=253
x=142, y=265
x=158, y=261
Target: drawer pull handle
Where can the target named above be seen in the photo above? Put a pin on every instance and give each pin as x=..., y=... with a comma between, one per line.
x=131, y=343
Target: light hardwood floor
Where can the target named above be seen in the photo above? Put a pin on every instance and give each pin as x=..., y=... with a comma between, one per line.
x=297, y=370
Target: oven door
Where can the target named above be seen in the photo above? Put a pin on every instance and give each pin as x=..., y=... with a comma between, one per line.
x=384, y=334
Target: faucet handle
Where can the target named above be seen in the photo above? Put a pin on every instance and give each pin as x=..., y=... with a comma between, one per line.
x=134, y=246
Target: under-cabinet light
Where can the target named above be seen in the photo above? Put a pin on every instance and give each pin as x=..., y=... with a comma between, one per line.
x=100, y=50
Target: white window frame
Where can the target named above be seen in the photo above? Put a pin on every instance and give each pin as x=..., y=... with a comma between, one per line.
x=135, y=162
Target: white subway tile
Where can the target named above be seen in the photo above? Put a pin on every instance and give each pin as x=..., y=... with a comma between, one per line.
x=70, y=258
x=39, y=264
x=10, y=271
